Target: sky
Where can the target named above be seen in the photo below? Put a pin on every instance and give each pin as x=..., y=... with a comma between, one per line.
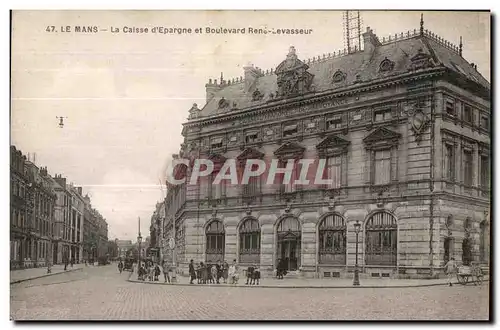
x=125, y=96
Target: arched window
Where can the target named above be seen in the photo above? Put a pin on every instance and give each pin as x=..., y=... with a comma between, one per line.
x=215, y=241
x=249, y=241
x=288, y=224
x=332, y=240
x=381, y=239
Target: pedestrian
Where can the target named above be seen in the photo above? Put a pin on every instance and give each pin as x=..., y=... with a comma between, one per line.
x=450, y=269
x=204, y=275
x=192, y=273
x=215, y=273
x=225, y=271
x=198, y=273
x=250, y=270
x=218, y=267
x=256, y=275
x=233, y=273
x=120, y=266
x=210, y=279
x=157, y=272
x=166, y=269
x=151, y=272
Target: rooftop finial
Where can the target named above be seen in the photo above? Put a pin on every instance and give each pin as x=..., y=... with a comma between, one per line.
x=421, y=24
x=460, y=47
x=221, y=78
x=291, y=51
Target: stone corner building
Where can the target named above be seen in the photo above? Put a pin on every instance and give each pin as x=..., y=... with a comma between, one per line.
x=405, y=126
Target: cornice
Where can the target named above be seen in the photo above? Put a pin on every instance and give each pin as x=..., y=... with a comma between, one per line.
x=318, y=97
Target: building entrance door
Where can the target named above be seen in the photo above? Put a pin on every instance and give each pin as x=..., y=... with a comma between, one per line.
x=289, y=251
x=447, y=249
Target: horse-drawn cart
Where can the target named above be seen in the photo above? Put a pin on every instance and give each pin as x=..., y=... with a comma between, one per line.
x=470, y=274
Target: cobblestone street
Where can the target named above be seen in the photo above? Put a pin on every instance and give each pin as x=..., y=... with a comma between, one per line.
x=100, y=293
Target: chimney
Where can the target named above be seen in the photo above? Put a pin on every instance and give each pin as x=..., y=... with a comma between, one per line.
x=212, y=88
x=251, y=75
x=370, y=41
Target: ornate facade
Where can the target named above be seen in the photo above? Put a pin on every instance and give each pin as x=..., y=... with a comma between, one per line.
x=405, y=126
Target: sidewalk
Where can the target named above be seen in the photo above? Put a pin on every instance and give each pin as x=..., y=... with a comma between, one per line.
x=22, y=275
x=315, y=283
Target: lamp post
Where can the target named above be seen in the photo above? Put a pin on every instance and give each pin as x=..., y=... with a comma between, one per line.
x=357, y=229
x=139, y=240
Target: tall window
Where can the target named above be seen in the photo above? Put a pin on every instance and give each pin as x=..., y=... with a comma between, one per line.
x=450, y=107
x=381, y=239
x=467, y=115
x=335, y=171
x=382, y=166
x=249, y=241
x=290, y=186
x=332, y=240
x=485, y=172
x=468, y=168
x=485, y=123
x=216, y=191
x=252, y=188
x=449, y=162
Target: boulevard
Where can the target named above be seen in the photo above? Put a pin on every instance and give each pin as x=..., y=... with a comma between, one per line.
x=101, y=293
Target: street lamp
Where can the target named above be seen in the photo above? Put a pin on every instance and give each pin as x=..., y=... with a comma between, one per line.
x=139, y=240
x=357, y=229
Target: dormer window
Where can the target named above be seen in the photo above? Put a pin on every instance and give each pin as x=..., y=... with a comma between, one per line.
x=290, y=130
x=251, y=137
x=382, y=115
x=334, y=123
x=216, y=143
x=450, y=107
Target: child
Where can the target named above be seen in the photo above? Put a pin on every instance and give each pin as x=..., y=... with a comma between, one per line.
x=215, y=272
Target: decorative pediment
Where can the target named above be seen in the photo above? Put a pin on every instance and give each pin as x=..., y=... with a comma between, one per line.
x=421, y=61
x=292, y=76
x=381, y=135
x=289, y=150
x=332, y=144
x=217, y=158
x=250, y=153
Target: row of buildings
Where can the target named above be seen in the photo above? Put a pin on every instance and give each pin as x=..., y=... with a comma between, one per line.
x=405, y=123
x=50, y=219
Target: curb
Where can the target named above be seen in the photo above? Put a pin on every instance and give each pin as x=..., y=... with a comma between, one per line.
x=297, y=286
x=45, y=275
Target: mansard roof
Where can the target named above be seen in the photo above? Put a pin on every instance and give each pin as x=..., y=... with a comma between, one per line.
x=400, y=57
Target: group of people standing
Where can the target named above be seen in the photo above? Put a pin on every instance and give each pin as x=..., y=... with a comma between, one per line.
x=212, y=273
x=151, y=271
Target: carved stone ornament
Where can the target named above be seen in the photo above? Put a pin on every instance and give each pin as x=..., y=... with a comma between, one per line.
x=421, y=61
x=386, y=65
x=419, y=122
x=257, y=95
x=331, y=204
x=223, y=103
x=214, y=212
x=293, y=78
x=249, y=210
x=338, y=77
x=288, y=207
